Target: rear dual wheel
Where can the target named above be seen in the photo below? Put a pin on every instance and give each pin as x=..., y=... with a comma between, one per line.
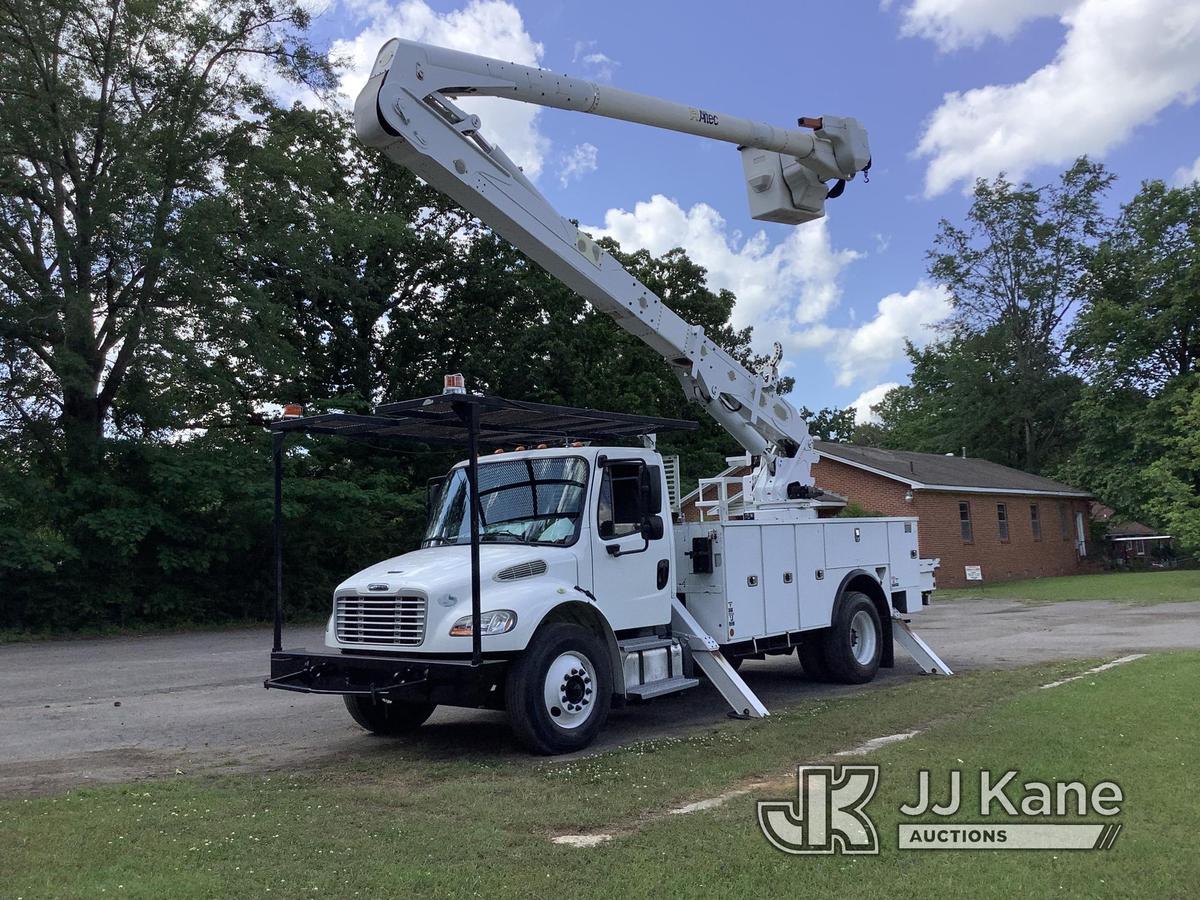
x=849, y=650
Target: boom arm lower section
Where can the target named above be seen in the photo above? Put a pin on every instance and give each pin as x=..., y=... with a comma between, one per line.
x=406, y=111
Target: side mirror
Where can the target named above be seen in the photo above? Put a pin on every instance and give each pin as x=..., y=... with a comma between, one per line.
x=649, y=482
x=606, y=530
x=653, y=528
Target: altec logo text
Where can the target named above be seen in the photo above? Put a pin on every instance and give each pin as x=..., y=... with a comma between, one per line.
x=830, y=814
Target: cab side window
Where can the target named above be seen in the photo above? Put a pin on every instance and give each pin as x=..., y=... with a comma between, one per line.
x=620, y=508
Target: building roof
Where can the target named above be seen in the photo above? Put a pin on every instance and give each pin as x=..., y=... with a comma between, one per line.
x=932, y=472
x=1117, y=530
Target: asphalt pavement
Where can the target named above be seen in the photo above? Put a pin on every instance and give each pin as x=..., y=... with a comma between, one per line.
x=120, y=709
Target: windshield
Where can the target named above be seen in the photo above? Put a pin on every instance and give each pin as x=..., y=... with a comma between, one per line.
x=528, y=501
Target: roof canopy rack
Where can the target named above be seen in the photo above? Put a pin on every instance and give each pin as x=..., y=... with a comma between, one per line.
x=440, y=419
x=459, y=418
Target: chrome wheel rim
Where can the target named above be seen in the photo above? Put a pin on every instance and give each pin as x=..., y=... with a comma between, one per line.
x=862, y=637
x=569, y=690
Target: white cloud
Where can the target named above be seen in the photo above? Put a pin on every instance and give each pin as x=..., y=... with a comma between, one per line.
x=792, y=283
x=1185, y=175
x=864, y=353
x=579, y=162
x=814, y=337
x=1121, y=63
x=488, y=27
x=596, y=65
x=870, y=397
x=952, y=24
x=785, y=290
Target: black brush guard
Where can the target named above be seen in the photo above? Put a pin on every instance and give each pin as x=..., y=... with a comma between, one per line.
x=388, y=676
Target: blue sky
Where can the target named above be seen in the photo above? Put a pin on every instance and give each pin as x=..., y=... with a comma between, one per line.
x=949, y=90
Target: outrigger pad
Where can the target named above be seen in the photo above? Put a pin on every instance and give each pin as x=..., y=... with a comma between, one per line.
x=930, y=662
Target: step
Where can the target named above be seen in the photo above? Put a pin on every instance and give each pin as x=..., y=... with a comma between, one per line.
x=635, y=645
x=658, y=688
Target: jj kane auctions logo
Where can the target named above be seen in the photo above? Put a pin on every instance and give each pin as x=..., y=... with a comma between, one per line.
x=829, y=814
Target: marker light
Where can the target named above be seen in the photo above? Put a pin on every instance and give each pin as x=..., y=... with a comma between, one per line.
x=292, y=410
x=454, y=384
x=496, y=621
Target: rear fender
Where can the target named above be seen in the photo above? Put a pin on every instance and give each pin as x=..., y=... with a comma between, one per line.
x=862, y=581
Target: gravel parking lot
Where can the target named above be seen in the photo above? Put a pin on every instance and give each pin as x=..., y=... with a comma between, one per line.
x=119, y=709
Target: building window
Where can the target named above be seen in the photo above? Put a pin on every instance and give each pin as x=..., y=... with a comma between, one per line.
x=1002, y=520
x=964, y=521
x=1035, y=521
x=1064, y=521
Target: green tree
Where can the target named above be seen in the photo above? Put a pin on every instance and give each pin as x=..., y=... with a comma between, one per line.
x=831, y=424
x=1141, y=325
x=114, y=115
x=1016, y=270
x=1138, y=342
x=961, y=394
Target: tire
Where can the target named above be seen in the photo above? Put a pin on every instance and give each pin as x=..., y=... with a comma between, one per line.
x=854, y=643
x=559, y=691
x=388, y=719
x=812, y=655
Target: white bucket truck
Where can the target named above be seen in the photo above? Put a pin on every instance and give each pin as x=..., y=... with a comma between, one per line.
x=554, y=579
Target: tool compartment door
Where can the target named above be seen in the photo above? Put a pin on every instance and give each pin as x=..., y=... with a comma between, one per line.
x=743, y=581
x=902, y=546
x=781, y=605
x=855, y=542
x=816, y=605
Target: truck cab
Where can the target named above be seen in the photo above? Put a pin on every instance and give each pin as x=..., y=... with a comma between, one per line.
x=576, y=583
x=565, y=525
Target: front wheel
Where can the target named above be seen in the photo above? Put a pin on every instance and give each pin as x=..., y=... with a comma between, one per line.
x=388, y=719
x=559, y=690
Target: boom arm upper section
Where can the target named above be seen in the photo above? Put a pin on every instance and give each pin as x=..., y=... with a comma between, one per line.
x=407, y=110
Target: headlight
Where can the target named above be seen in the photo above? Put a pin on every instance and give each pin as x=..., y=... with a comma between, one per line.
x=496, y=621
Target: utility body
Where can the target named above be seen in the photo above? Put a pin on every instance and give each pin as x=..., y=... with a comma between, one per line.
x=557, y=576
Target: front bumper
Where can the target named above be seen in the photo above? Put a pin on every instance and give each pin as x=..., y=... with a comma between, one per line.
x=454, y=682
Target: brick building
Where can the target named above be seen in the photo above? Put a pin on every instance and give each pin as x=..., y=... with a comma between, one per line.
x=973, y=513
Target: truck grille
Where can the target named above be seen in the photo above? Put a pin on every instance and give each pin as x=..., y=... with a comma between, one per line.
x=380, y=620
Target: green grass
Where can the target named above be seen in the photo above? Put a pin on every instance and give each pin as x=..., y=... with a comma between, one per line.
x=399, y=821
x=1135, y=587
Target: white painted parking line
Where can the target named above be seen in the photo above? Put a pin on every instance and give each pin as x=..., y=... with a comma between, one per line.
x=876, y=743
x=1112, y=664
